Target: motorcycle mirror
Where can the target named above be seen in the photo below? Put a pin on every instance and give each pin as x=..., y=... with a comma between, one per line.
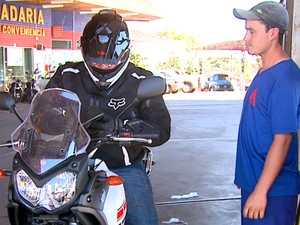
x=151, y=87
x=7, y=102
x=148, y=88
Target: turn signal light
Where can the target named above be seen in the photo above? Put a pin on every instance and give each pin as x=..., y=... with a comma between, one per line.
x=2, y=173
x=114, y=180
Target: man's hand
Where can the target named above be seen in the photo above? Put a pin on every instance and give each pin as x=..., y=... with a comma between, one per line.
x=257, y=202
x=101, y=127
x=255, y=206
x=105, y=123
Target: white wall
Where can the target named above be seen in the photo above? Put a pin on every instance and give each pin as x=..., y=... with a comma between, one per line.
x=296, y=33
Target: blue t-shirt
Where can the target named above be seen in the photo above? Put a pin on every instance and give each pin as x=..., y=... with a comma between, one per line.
x=271, y=106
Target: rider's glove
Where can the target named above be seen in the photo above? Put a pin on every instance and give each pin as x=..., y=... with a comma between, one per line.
x=102, y=126
x=141, y=129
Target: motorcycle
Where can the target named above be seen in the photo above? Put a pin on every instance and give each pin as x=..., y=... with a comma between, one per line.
x=55, y=180
x=30, y=90
x=16, y=90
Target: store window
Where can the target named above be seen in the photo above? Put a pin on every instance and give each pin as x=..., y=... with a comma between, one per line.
x=15, y=63
x=61, y=45
x=15, y=60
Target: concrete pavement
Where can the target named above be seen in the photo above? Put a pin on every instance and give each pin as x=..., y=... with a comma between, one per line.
x=197, y=160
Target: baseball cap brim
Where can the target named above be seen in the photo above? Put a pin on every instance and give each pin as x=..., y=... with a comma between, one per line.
x=245, y=14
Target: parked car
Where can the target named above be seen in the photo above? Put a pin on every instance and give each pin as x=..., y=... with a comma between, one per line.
x=218, y=82
x=190, y=83
x=172, y=81
x=187, y=83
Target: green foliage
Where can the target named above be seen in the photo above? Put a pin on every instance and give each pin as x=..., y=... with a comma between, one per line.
x=220, y=62
x=190, y=41
x=192, y=66
x=172, y=34
x=172, y=63
x=188, y=63
x=138, y=60
x=232, y=65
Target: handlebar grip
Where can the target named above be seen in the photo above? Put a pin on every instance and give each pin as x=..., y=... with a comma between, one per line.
x=8, y=144
x=147, y=136
x=132, y=139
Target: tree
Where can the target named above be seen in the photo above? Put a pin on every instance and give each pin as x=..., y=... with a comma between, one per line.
x=191, y=42
x=185, y=62
x=138, y=60
x=173, y=62
x=192, y=66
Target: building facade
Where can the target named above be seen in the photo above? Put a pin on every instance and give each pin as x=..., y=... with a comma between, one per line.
x=32, y=36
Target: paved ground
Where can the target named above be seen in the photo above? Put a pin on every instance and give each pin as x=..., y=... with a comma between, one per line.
x=197, y=160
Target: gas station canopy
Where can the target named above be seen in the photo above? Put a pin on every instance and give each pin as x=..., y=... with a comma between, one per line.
x=131, y=10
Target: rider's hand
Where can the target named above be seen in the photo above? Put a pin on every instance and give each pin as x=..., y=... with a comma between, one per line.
x=105, y=124
x=140, y=128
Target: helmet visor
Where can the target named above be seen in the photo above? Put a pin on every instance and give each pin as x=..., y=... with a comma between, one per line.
x=105, y=50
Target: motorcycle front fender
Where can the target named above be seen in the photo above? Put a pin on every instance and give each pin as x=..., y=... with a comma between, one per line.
x=101, y=201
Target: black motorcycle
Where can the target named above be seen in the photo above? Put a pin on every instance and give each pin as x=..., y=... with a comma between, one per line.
x=30, y=90
x=16, y=90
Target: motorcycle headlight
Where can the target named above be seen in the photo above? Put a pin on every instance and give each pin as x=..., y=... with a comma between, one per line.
x=27, y=188
x=57, y=192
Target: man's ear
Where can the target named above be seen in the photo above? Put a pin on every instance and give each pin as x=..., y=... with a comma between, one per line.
x=274, y=33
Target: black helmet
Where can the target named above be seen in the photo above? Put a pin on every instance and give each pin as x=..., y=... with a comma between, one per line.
x=105, y=47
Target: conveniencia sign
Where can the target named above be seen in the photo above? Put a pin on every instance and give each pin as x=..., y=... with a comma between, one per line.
x=26, y=15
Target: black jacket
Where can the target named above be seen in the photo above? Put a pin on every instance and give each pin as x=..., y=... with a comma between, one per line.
x=75, y=77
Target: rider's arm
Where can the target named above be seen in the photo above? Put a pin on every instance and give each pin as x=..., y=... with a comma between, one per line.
x=155, y=113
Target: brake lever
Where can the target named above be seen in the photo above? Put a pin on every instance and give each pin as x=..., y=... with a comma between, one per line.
x=127, y=137
x=131, y=139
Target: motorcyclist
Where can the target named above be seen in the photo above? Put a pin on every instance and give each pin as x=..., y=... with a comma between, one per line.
x=107, y=80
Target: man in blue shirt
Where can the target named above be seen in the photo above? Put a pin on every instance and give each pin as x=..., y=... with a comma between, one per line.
x=267, y=148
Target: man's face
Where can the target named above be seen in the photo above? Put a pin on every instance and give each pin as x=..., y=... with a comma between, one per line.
x=257, y=38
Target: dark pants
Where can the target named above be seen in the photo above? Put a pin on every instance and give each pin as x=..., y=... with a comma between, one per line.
x=139, y=195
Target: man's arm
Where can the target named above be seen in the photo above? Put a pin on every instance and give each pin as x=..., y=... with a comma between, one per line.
x=257, y=201
x=155, y=113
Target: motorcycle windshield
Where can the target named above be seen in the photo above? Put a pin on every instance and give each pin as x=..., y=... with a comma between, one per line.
x=52, y=131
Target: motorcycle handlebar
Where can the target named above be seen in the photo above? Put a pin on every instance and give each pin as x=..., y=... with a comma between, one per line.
x=8, y=144
x=147, y=136
x=132, y=139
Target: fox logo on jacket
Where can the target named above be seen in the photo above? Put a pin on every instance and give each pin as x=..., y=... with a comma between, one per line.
x=116, y=103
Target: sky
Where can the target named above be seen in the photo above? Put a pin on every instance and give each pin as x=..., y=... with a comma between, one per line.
x=211, y=21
